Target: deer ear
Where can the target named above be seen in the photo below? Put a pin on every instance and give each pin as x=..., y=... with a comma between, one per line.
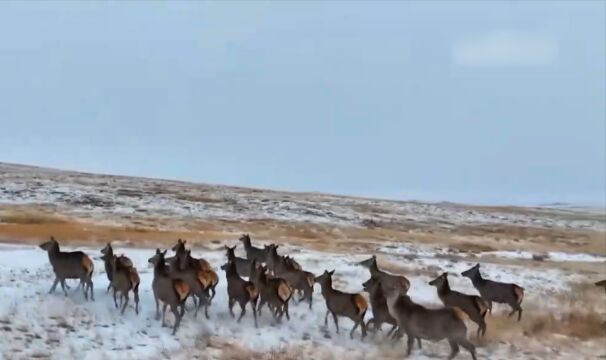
x=374, y=257
x=157, y=250
x=226, y=247
x=234, y=247
x=331, y=272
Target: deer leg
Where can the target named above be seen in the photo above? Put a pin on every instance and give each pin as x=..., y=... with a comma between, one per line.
x=469, y=347
x=243, y=311
x=108, y=287
x=164, y=306
x=489, y=306
x=175, y=310
x=63, y=286
x=326, y=318
x=198, y=307
x=253, y=304
x=125, y=296
x=115, y=300
x=334, y=317
x=212, y=294
x=519, y=313
x=261, y=303
x=92, y=288
x=455, y=349
x=353, y=329
x=136, y=295
x=391, y=331
x=157, y=307
x=231, y=305
x=419, y=343
x=481, y=327
x=55, y=283
x=286, y=310
x=410, y=341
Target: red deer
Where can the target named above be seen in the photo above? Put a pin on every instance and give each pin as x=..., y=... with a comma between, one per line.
x=69, y=265
x=274, y=291
x=124, y=279
x=107, y=254
x=240, y=290
x=242, y=265
x=302, y=281
x=498, y=292
x=253, y=253
x=430, y=324
x=197, y=280
x=338, y=303
x=472, y=305
x=179, y=248
x=387, y=279
x=171, y=292
x=187, y=262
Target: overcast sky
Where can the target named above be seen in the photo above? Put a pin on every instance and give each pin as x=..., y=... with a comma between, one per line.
x=484, y=102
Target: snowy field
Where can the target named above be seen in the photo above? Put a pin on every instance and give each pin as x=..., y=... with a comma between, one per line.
x=34, y=324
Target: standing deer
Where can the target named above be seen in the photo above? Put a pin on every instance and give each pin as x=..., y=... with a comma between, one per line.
x=69, y=265
x=124, y=279
x=302, y=281
x=242, y=265
x=472, y=305
x=198, y=281
x=387, y=279
x=498, y=292
x=240, y=291
x=187, y=262
x=339, y=303
x=107, y=254
x=171, y=292
x=253, y=253
x=431, y=324
x=179, y=248
x=274, y=291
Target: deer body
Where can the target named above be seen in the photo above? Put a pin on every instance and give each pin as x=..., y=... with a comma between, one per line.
x=386, y=279
x=240, y=291
x=242, y=265
x=338, y=303
x=253, y=253
x=505, y=293
x=300, y=280
x=124, y=279
x=472, y=305
x=69, y=265
x=274, y=291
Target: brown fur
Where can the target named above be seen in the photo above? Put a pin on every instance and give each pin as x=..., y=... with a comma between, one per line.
x=205, y=278
x=361, y=303
x=482, y=306
x=519, y=291
x=460, y=313
x=88, y=265
x=134, y=277
x=182, y=289
x=252, y=291
x=311, y=280
x=284, y=291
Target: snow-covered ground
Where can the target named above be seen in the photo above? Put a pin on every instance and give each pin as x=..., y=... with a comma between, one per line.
x=113, y=198
x=34, y=324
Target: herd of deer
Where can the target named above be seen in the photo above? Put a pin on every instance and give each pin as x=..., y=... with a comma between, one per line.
x=274, y=279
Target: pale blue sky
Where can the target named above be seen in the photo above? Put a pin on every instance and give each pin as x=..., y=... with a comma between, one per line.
x=487, y=102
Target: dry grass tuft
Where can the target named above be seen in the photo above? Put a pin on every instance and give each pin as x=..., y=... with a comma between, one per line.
x=19, y=216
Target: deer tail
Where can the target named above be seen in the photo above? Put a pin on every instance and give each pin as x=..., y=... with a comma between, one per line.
x=360, y=304
x=88, y=265
x=284, y=291
x=134, y=278
x=204, y=278
x=519, y=293
x=252, y=291
x=182, y=289
x=460, y=314
x=310, y=280
x=214, y=278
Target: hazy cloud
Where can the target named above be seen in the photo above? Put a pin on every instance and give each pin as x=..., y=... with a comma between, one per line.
x=506, y=48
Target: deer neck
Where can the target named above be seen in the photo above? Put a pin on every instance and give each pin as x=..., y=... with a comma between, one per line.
x=444, y=289
x=477, y=279
x=374, y=269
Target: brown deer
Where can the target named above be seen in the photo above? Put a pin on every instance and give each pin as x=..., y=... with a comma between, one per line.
x=338, y=303
x=472, y=305
x=187, y=262
x=274, y=291
x=387, y=279
x=430, y=324
x=498, y=292
x=253, y=253
x=69, y=265
x=242, y=265
x=124, y=279
x=197, y=280
x=601, y=283
x=171, y=292
x=302, y=281
x=240, y=291
x=107, y=254
x=179, y=248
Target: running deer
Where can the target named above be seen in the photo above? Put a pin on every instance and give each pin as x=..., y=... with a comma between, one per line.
x=198, y=281
x=124, y=279
x=107, y=255
x=338, y=303
x=240, y=291
x=171, y=292
x=430, y=324
x=187, y=262
x=253, y=253
x=504, y=293
x=179, y=248
x=387, y=279
x=380, y=310
x=472, y=305
x=242, y=265
x=601, y=283
x=274, y=291
x=69, y=265
x=302, y=281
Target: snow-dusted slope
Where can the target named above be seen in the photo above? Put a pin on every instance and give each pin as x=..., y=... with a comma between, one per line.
x=110, y=197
